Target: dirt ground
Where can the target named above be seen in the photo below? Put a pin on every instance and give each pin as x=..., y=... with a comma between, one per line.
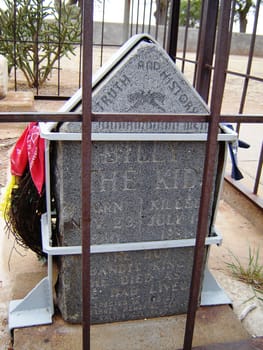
x=239, y=235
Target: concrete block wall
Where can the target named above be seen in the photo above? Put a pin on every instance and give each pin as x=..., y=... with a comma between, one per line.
x=114, y=34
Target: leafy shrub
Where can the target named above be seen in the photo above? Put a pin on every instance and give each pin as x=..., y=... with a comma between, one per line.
x=34, y=36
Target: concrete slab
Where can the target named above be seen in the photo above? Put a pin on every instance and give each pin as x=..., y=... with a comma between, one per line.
x=213, y=325
x=251, y=344
x=17, y=101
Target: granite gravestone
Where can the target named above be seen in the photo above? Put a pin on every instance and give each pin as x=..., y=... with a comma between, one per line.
x=141, y=191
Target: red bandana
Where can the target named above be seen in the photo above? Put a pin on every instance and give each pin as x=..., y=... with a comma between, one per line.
x=29, y=149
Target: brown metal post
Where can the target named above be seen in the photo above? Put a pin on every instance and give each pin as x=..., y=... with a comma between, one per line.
x=173, y=29
x=86, y=162
x=206, y=44
x=250, y=60
x=211, y=147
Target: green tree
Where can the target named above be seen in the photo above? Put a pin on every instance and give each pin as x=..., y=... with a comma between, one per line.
x=194, y=7
x=190, y=11
x=242, y=8
x=35, y=36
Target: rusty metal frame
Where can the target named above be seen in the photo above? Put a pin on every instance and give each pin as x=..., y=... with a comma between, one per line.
x=173, y=29
x=206, y=44
x=250, y=58
x=87, y=9
x=214, y=118
x=216, y=101
x=21, y=117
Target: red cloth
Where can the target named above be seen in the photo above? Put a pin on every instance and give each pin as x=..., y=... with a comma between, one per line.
x=19, y=156
x=29, y=150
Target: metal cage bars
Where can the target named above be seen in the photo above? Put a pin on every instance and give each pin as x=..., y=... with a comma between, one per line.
x=87, y=117
x=216, y=101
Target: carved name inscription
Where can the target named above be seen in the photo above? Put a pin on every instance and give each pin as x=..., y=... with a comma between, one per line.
x=139, y=284
x=145, y=191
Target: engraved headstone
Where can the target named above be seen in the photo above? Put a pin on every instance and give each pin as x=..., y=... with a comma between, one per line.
x=142, y=191
x=3, y=77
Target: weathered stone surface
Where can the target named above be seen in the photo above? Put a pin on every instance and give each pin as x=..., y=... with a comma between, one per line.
x=146, y=81
x=141, y=191
x=129, y=285
x=3, y=76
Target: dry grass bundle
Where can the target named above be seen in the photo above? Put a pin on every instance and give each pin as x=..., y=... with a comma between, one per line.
x=23, y=218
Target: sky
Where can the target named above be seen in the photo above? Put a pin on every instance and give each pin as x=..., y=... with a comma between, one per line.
x=115, y=13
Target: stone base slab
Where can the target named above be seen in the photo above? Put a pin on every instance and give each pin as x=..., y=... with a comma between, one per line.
x=17, y=101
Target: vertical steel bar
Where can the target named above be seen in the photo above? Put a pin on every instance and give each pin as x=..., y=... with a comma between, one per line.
x=211, y=148
x=186, y=34
x=165, y=24
x=86, y=162
x=59, y=43
x=143, y=17
x=150, y=17
x=80, y=54
x=15, y=43
x=157, y=18
x=137, y=19
x=132, y=10
x=198, y=42
x=250, y=59
x=259, y=169
x=173, y=29
x=102, y=33
x=232, y=18
x=126, y=19
x=36, y=69
x=206, y=45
